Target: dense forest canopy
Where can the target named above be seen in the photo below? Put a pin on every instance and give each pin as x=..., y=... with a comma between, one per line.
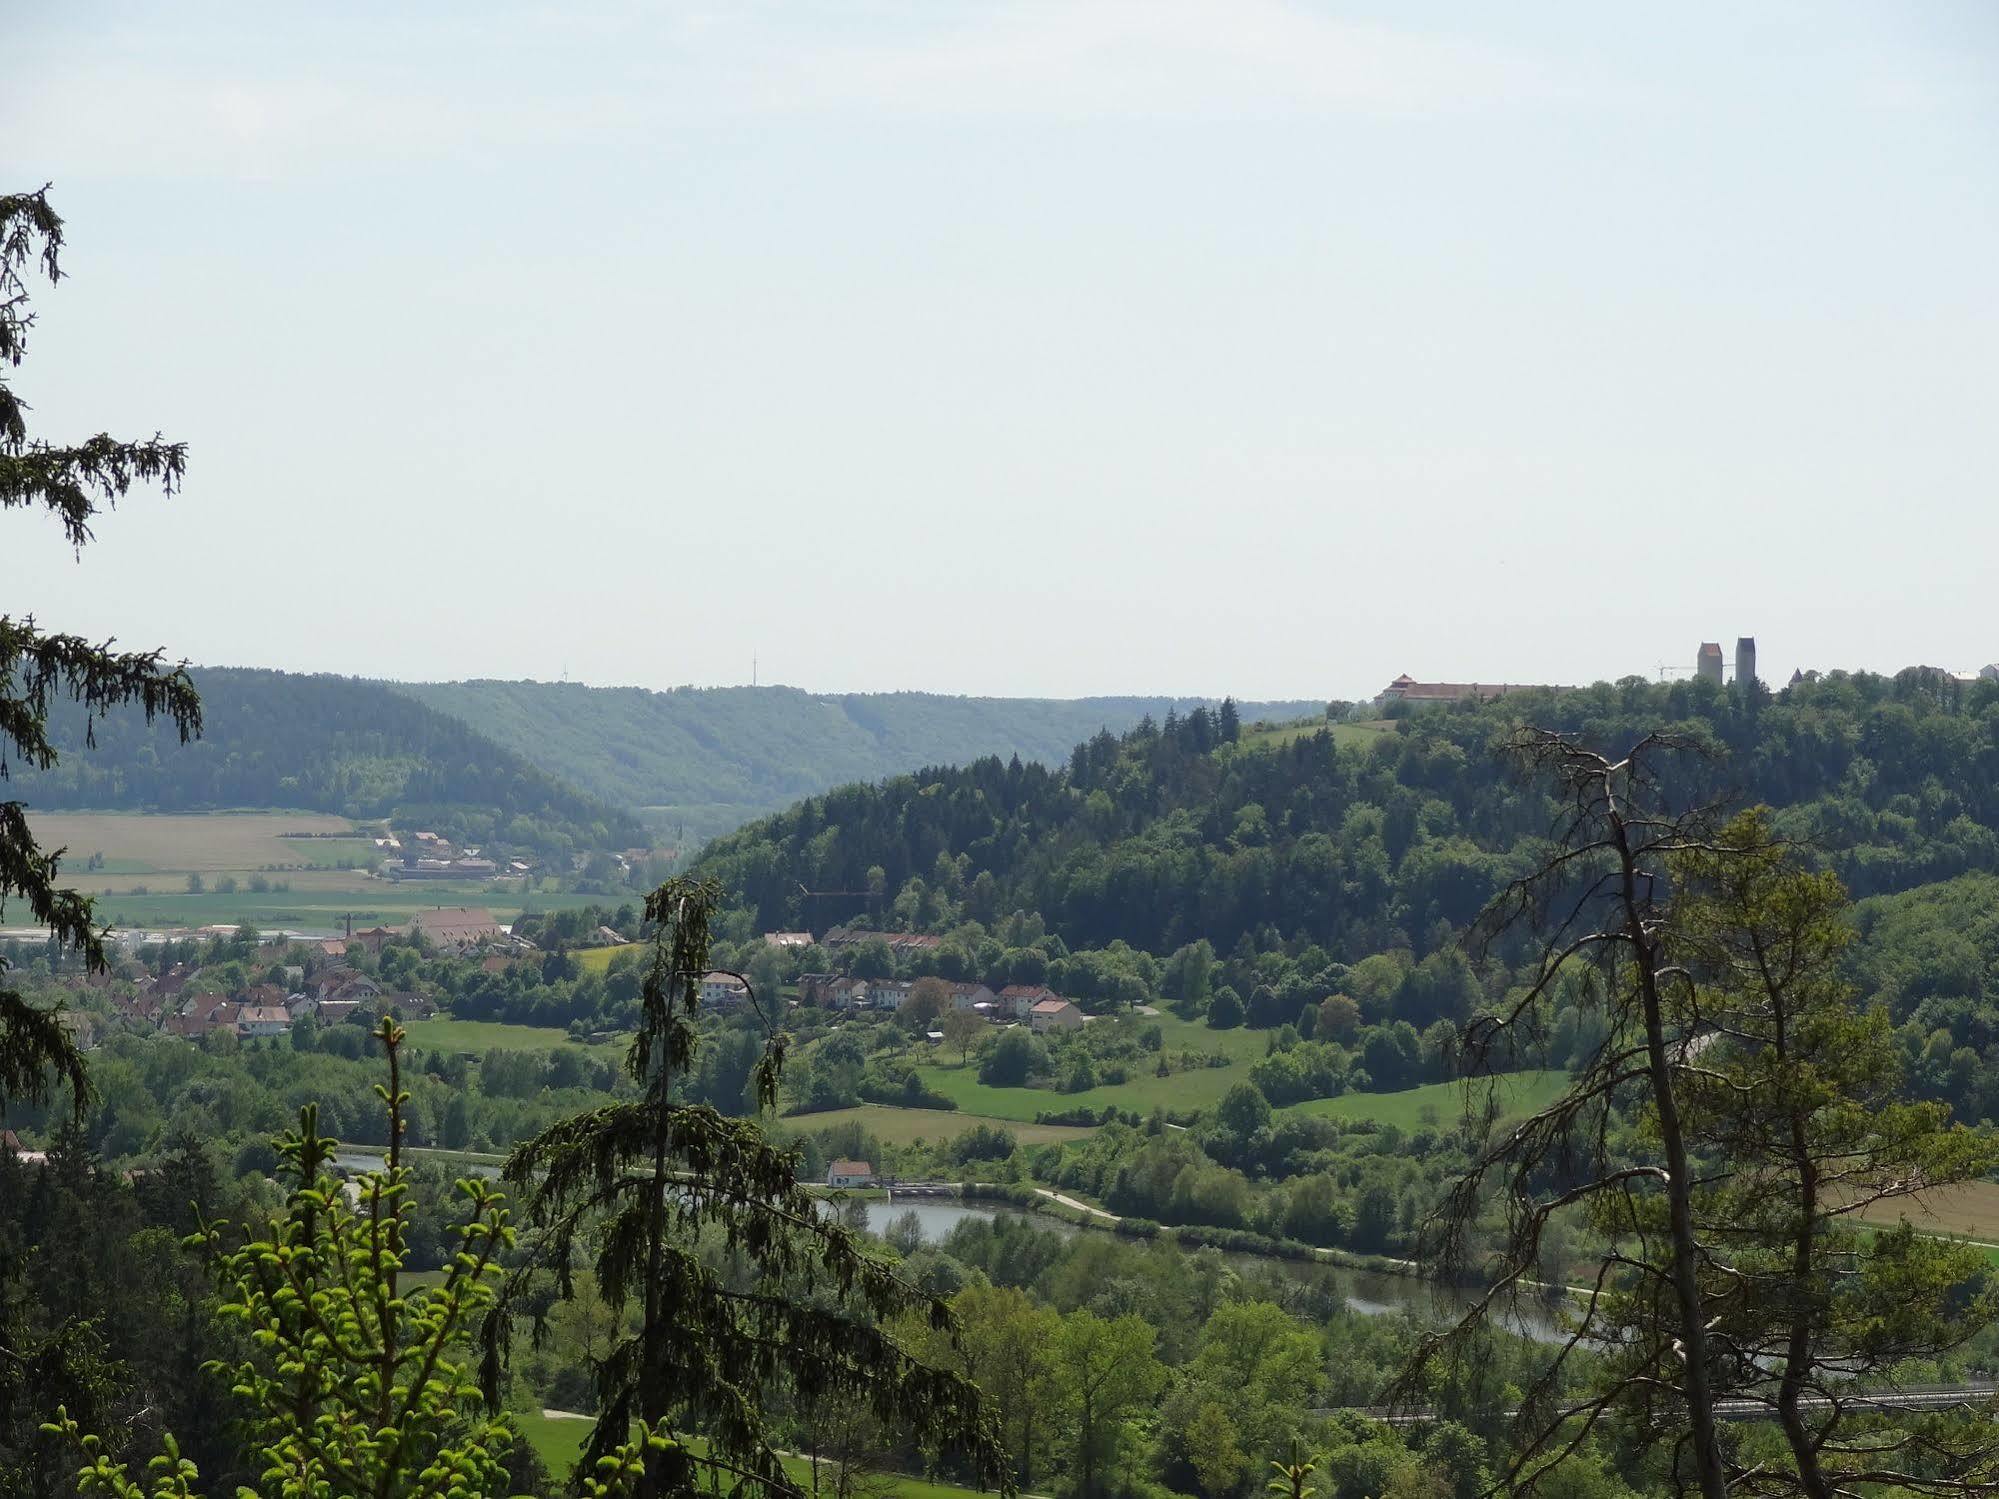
x=325, y=744
x=711, y=758
x=1173, y=832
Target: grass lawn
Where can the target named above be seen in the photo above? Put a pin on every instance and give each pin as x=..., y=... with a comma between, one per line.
x=558, y=1443
x=1436, y=1103
x=1238, y=1043
x=906, y=1126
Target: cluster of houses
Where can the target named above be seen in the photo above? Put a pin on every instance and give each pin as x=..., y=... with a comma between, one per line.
x=335, y=991
x=332, y=994
x=429, y=856
x=1036, y=1004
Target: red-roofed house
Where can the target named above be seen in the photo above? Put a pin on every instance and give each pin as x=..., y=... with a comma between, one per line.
x=1054, y=1014
x=1017, y=999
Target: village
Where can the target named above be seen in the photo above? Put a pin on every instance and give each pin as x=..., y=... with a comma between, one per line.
x=320, y=977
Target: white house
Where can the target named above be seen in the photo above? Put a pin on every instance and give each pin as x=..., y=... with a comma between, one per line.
x=888, y=994
x=969, y=996
x=263, y=1020
x=850, y=1174
x=723, y=991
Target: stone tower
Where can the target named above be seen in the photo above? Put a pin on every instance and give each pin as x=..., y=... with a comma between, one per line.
x=1708, y=663
x=1745, y=660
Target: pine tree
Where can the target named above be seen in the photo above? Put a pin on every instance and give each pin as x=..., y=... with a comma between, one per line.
x=644, y=1183
x=1799, y=1115
x=37, y=668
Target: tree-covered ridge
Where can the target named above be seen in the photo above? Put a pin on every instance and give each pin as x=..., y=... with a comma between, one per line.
x=1172, y=833
x=320, y=743
x=711, y=758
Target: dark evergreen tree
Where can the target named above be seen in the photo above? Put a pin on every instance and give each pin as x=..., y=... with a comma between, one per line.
x=74, y=483
x=1228, y=721
x=641, y=1180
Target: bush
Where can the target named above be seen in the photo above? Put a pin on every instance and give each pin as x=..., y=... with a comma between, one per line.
x=1013, y=1059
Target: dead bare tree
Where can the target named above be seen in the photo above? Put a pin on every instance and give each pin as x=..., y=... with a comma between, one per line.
x=1597, y=904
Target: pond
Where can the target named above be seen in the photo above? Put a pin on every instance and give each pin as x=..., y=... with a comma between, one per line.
x=354, y=1159
x=1371, y=1293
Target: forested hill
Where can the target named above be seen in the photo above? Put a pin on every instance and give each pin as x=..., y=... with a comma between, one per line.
x=1160, y=837
x=711, y=758
x=321, y=743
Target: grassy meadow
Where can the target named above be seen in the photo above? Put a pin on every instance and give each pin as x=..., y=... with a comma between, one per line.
x=1437, y=1104
x=1275, y=736
x=597, y=959
x=479, y=1036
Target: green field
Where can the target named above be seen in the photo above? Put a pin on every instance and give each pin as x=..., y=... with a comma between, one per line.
x=1181, y=1092
x=907, y=1126
x=189, y=842
x=479, y=1036
x=145, y=860
x=1437, y=1104
x=1274, y=736
x=597, y=959
x=318, y=900
x=1239, y=1043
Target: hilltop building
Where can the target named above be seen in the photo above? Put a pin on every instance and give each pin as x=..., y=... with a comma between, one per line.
x=1707, y=664
x=1745, y=660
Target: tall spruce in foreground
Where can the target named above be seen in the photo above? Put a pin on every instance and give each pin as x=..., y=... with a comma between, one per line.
x=1598, y=901
x=74, y=484
x=645, y=1187
x=1798, y=1116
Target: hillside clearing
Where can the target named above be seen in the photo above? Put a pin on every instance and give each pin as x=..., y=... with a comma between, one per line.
x=1275, y=736
x=1181, y=1092
x=597, y=959
x=1967, y=1212
x=476, y=1036
x=1439, y=1105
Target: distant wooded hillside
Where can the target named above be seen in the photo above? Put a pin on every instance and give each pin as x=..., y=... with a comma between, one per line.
x=328, y=744
x=1161, y=838
x=710, y=759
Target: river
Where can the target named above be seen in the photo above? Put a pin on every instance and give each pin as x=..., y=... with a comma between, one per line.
x=1371, y=1293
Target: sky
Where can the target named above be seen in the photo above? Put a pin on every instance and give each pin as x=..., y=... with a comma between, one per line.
x=1018, y=348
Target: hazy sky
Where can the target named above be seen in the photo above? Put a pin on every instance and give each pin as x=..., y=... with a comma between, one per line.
x=1065, y=348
